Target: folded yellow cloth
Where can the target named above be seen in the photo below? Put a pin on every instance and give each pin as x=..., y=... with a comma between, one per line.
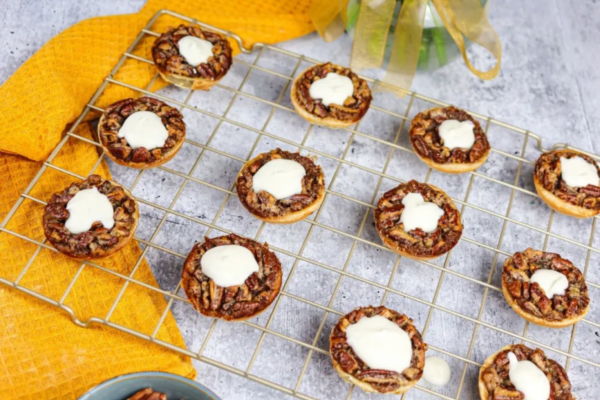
x=43, y=354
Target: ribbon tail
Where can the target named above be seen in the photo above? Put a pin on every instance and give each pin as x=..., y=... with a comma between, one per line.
x=329, y=17
x=371, y=35
x=406, y=48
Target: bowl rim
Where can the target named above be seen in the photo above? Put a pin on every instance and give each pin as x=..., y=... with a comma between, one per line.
x=126, y=377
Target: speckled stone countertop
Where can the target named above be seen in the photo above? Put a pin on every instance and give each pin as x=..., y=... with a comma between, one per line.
x=548, y=84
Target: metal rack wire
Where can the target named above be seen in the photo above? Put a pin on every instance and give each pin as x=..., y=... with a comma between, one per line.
x=356, y=238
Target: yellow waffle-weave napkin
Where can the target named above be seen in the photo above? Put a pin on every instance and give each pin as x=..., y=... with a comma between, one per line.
x=43, y=354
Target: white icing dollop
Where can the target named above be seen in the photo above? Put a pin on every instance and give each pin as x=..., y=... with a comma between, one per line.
x=528, y=378
x=418, y=213
x=86, y=207
x=334, y=88
x=281, y=178
x=457, y=134
x=576, y=172
x=195, y=50
x=228, y=265
x=380, y=343
x=437, y=371
x=144, y=129
x=552, y=282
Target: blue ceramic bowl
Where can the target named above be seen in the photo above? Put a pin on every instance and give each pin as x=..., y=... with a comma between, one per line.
x=174, y=386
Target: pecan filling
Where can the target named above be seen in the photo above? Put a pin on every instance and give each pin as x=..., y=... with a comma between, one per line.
x=114, y=117
x=233, y=302
x=167, y=58
x=425, y=137
x=263, y=203
x=548, y=173
x=417, y=242
x=148, y=394
x=497, y=382
x=381, y=380
x=98, y=241
x=530, y=297
x=353, y=108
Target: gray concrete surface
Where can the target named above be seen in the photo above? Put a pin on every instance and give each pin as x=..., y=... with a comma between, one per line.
x=548, y=84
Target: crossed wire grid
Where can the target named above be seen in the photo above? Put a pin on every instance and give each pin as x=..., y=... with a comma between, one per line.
x=393, y=146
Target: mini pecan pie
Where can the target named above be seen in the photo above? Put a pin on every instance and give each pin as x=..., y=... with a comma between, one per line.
x=263, y=205
x=426, y=141
x=417, y=243
x=232, y=303
x=122, y=152
x=176, y=69
x=98, y=241
x=579, y=202
x=354, y=370
x=528, y=298
x=334, y=115
x=495, y=383
x=148, y=394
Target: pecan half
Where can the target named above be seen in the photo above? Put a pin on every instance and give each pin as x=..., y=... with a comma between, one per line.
x=417, y=243
x=354, y=107
x=264, y=205
x=233, y=302
x=548, y=173
x=426, y=141
x=148, y=394
x=165, y=53
x=98, y=241
x=121, y=151
x=530, y=297
x=497, y=384
x=381, y=381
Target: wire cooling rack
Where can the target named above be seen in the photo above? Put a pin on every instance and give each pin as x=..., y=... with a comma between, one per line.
x=309, y=349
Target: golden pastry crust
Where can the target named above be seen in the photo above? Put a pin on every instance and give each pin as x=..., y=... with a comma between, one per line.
x=576, y=202
x=353, y=370
x=335, y=115
x=98, y=242
x=529, y=300
x=173, y=67
x=285, y=211
x=417, y=244
x=494, y=383
x=426, y=141
x=233, y=303
x=119, y=150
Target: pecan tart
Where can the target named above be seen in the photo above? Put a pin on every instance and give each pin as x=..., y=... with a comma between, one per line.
x=545, y=288
x=198, y=62
x=495, y=382
x=403, y=236
x=233, y=301
x=148, y=394
x=581, y=199
x=339, y=108
x=282, y=207
x=65, y=222
x=353, y=369
x=465, y=149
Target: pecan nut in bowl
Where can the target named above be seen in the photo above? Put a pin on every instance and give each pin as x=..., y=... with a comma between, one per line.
x=90, y=219
x=378, y=350
x=418, y=221
x=281, y=187
x=449, y=140
x=231, y=277
x=516, y=372
x=330, y=95
x=569, y=183
x=192, y=58
x=545, y=289
x=148, y=394
x=141, y=133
